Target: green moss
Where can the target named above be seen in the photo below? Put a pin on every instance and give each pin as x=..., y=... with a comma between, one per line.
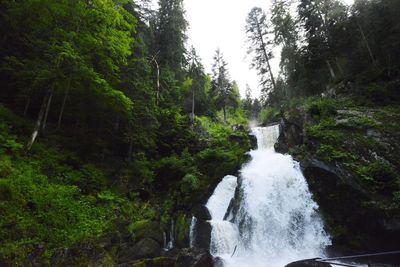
x=329, y=154
x=146, y=229
x=182, y=225
x=5, y=166
x=135, y=227
x=321, y=107
x=269, y=115
x=299, y=152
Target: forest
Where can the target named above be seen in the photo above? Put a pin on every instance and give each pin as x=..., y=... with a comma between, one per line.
x=112, y=132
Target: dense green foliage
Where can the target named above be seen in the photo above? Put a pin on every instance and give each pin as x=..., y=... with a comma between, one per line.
x=98, y=133
x=326, y=43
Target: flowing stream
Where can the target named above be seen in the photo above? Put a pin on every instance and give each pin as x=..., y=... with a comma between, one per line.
x=275, y=221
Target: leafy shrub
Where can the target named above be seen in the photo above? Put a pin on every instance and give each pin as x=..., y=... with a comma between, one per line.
x=5, y=166
x=189, y=183
x=5, y=191
x=362, y=122
x=269, y=115
x=322, y=107
x=88, y=178
x=169, y=169
x=376, y=94
x=36, y=211
x=329, y=154
x=382, y=171
x=109, y=197
x=140, y=168
x=216, y=162
x=8, y=142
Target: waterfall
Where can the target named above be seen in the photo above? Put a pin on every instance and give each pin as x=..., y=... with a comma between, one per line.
x=276, y=221
x=171, y=242
x=192, y=234
x=224, y=234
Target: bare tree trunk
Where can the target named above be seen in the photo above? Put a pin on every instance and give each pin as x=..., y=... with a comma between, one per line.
x=60, y=116
x=28, y=102
x=266, y=56
x=192, y=115
x=47, y=108
x=38, y=123
x=366, y=43
x=330, y=69
x=224, y=110
x=158, y=77
x=158, y=83
x=339, y=66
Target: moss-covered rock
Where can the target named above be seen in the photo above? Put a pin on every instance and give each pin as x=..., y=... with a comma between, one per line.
x=349, y=154
x=182, y=229
x=146, y=229
x=156, y=262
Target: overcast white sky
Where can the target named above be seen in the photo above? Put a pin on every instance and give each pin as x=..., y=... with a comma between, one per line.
x=220, y=24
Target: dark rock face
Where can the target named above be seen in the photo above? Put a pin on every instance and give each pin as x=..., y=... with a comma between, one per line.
x=355, y=214
x=341, y=200
x=202, y=229
x=145, y=248
x=194, y=258
x=202, y=213
x=151, y=230
x=291, y=134
x=156, y=262
x=84, y=254
x=202, y=237
x=308, y=263
x=253, y=141
x=218, y=262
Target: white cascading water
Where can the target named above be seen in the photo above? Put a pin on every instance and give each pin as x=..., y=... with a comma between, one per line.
x=224, y=234
x=276, y=222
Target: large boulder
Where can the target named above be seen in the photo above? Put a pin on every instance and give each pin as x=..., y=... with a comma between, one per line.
x=342, y=201
x=202, y=213
x=253, y=141
x=87, y=254
x=193, y=257
x=145, y=248
x=146, y=229
x=202, y=228
x=308, y=263
x=156, y=262
x=202, y=235
x=290, y=135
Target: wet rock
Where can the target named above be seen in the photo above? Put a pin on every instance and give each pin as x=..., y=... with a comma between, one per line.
x=146, y=229
x=202, y=237
x=82, y=255
x=352, y=215
x=330, y=176
x=171, y=253
x=218, y=262
x=182, y=231
x=202, y=214
x=145, y=248
x=156, y=262
x=193, y=257
x=253, y=141
x=291, y=135
x=308, y=263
